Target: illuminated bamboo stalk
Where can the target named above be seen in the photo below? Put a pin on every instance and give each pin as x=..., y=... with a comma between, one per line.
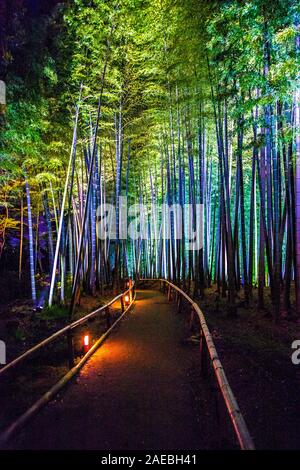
x=59, y=234
x=31, y=248
x=21, y=237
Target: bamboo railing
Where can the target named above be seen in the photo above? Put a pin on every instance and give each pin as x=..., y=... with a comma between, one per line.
x=209, y=353
x=67, y=332
x=207, y=349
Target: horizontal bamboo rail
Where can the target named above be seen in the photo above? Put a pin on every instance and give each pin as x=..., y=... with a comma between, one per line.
x=208, y=350
x=64, y=331
x=74, y=369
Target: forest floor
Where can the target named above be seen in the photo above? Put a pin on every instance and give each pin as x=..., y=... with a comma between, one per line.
x=20, y=329
x=256, y=355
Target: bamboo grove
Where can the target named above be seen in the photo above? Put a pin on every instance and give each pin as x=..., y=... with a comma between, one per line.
x=165, y=103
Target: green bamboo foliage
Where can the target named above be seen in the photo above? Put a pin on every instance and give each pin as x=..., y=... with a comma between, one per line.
x=214, y=124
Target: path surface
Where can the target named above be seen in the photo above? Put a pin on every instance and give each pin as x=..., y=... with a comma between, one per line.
x=140, y=390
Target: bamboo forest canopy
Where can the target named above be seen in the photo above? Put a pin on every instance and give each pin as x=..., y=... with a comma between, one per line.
x=175, y=102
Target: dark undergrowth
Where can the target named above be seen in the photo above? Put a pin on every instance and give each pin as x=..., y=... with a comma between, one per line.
x=256, y=354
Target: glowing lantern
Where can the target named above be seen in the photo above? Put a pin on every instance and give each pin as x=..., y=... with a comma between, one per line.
x=86, y=343
x=126, y=299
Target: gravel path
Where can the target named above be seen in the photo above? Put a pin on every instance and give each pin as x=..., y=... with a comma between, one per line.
x=141, y=390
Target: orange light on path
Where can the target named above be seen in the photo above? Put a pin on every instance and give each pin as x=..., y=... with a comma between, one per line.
x=127, y=299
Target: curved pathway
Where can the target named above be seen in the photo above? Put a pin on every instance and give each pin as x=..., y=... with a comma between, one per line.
x=141, y=390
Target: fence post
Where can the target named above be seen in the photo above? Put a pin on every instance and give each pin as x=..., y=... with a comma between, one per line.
x=70, y=349
x=107, y=317
x=203, y=355
x=179, y=303
x=130, y=290
x=169, y=293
